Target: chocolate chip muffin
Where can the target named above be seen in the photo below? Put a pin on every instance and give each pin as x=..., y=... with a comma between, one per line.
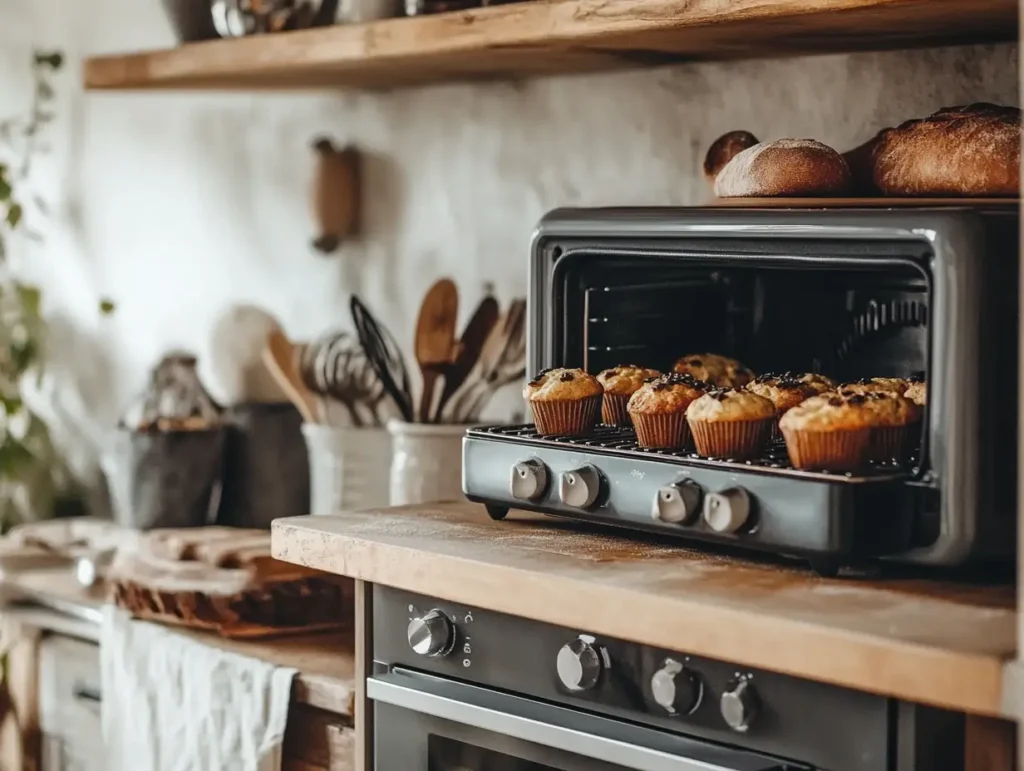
x=731, y=423
x=785, y=390
x=720, y=371
x=619, y=384
x=917, y=392
x=820, y=383
x=896, y=419
x=831, y=431
x=565, y=402
x=894, y=385
x=658, y=410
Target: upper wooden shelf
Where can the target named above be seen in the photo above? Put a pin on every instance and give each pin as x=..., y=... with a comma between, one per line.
x=545, y=37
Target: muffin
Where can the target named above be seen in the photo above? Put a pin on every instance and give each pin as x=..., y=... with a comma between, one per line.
x=731, y=423
x=895, y=420
x=720, y=371
x=565, y=402
x=820, y=383
x=619, y=384
x=867, y=385
x=917, y=392
x=658, y=410
x=784, y=390
x=831, y=431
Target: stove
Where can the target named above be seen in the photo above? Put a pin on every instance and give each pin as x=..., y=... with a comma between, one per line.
x=930, y=292
x=456, y=688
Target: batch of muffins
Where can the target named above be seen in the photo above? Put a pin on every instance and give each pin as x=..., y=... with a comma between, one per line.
x=719, y=408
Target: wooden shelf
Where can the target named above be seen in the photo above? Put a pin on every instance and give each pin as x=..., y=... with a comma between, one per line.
x=546, y=37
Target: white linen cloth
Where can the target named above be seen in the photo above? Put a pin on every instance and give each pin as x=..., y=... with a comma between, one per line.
x=171, y=703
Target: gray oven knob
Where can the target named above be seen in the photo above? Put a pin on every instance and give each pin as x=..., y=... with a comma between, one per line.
x=579, y=488
x=739, y=705
x=727, y=510
x=579, y=665
x=529, y=480
x=432, y=634
x=676, y=688
x=677, y=502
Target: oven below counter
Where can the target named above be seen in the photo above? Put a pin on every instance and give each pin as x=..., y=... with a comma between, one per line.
x=932, y=642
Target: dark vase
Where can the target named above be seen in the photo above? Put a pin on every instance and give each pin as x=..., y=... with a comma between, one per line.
x=191, y=19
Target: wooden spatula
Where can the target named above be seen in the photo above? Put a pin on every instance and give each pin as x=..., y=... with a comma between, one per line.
x=279, y=356
x=435, y=346
x=477, y=330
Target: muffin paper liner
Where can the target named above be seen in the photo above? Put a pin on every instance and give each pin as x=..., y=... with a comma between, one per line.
x=668, y=431
x=613, y=410
x=837, y=450
x=731, y=438
x=889, y=443
x=566, y=417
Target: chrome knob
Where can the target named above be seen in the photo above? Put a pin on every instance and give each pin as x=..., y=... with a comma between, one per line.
x=579, y=665
x=727, y=510
x=432, y=634
x=677, y=502
x=529, y=480
x=739, y=705
x=579, y=488
x=676, y=688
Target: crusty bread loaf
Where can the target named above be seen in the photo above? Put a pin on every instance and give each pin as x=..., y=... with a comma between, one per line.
x=861, y=162
x=971, y=150
x=785, y=167
x=723, y=150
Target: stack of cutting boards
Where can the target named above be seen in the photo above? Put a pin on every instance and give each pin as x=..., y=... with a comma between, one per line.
x=225, y=580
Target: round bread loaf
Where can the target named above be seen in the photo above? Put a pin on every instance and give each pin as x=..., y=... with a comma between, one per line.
x=971, y=150
x=723, y=150
x=785, y=167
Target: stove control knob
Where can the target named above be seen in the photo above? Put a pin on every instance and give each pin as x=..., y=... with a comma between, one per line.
x=432, y=634
x=579, y=665
x=529, y=480
x=739, y=705
x=727, y=510
x=676, y=688
x=679, y=502
x=579, y=488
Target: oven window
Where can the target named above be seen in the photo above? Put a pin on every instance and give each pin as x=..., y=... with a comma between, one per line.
x=450, y=755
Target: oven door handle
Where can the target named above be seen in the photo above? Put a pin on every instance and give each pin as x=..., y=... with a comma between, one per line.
x=559, y=728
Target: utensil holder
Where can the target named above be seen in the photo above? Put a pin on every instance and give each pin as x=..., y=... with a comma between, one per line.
x=426, y=465
x=348, y=467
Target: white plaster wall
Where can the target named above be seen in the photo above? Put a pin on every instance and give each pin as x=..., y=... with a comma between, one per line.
x=179, y=206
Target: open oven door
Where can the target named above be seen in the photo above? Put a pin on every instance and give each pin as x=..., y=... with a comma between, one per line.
x=424, y=723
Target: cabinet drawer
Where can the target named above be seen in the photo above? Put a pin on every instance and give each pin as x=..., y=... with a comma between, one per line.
x=69, y=705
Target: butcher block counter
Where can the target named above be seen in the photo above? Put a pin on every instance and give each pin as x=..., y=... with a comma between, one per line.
x=936, y=643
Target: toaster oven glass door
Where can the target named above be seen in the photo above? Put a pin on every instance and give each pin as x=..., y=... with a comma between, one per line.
x=425, y=723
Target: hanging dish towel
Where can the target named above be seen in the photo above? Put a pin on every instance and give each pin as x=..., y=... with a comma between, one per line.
x=171, y=703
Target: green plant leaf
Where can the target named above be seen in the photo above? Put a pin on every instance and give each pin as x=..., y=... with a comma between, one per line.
x=52, y=59
x=31, y=298
x=107, y=306
x=5, y=185
x=14, y=214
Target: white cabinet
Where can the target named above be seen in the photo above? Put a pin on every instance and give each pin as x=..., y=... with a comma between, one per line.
x=69, y=705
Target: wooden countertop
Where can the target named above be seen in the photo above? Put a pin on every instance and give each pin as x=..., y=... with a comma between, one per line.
x=325, y=661
x=925, y=641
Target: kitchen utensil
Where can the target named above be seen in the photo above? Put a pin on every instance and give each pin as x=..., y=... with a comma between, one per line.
x=336, y=194
x=336, y=366
x=474, y=336
x=434, y=343
x=384, y=356
x=279, y=356
x=501, y=362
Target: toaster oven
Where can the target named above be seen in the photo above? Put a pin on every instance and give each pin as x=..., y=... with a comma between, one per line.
x=850, y=293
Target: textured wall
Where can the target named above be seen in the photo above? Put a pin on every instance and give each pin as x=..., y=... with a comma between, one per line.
x=179, y=206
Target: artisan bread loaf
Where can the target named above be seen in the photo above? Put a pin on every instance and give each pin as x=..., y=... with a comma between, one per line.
x=785, y=167
x=971, y=150
x=723, y=150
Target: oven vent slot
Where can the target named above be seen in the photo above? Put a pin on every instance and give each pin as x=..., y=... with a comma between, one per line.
x=882, y=319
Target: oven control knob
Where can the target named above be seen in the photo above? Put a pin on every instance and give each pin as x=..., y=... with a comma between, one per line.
x=677, y=503
x=579, y=488
x=432, y=634
x=529, y=480
x=676, y=688
x=727, y=510
x=579, y=664
x=739, y=705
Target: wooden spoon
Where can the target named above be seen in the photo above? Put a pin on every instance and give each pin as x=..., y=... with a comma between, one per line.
x=474, y=336
x=279, y=356
x=435, y=346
